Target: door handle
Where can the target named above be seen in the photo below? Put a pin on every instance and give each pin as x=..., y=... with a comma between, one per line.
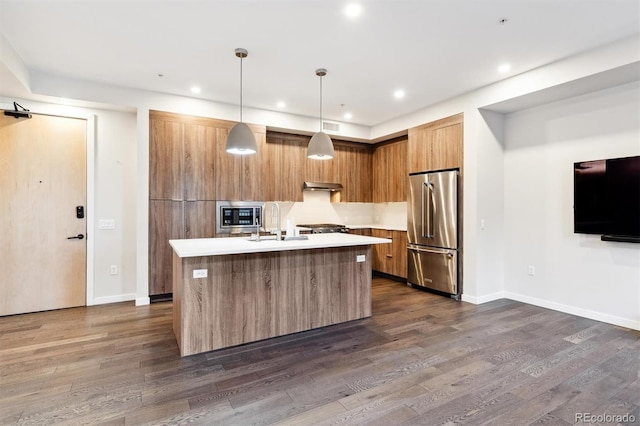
x=77, y=237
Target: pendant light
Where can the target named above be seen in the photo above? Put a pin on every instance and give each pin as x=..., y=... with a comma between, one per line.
x=320, y=146
x=241, y=140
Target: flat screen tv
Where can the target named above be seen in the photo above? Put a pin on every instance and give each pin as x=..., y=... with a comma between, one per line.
x=606, y=198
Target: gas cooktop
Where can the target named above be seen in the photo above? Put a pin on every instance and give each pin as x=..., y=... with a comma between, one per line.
x=324, y=228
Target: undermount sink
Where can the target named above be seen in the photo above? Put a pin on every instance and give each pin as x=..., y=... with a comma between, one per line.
x=269, y=238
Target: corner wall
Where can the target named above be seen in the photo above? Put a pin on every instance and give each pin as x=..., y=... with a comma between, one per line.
x=574, y=273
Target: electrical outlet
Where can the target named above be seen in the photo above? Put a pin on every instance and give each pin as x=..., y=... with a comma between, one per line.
x=360, y=258
x=531, y=270
x=113, y=269
x=200, y=273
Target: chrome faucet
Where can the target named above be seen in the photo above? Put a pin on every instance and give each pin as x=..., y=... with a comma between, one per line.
x=256, y=237
x=278, y=230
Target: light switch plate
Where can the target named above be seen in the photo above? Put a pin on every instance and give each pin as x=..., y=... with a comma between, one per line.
x=360, y=258
x=200, y=273
x=106, y=224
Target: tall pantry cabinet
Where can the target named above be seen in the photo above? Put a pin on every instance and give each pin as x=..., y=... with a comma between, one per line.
x=188, y=167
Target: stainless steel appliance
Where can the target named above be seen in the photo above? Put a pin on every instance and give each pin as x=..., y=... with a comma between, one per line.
x=238, y=217
x=325, y=228
x=432, y=231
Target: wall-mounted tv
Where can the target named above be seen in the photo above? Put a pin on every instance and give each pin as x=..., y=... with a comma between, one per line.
x=606, y=198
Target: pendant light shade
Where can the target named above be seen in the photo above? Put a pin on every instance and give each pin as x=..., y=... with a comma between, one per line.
x=241, y=140
x=320, y=146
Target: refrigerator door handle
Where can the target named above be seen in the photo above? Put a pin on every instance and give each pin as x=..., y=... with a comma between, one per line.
x=449, y=252
x=427, y=210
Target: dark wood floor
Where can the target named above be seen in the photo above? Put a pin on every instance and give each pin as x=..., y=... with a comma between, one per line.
x=421, y=359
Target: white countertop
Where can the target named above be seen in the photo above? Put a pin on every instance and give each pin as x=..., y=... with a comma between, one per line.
x=236, y=245
x=379, y=226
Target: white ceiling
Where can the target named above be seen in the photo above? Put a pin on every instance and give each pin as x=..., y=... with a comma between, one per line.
x=433, y=49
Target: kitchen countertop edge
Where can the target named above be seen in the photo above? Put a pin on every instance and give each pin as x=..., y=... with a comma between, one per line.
x=241, y=245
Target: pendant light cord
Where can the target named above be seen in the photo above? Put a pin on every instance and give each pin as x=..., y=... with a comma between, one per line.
x=241, y=89
x=320, y=103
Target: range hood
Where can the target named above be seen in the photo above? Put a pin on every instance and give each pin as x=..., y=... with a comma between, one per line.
x=322, y=186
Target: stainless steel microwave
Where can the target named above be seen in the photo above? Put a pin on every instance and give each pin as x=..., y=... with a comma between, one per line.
x=238, y=217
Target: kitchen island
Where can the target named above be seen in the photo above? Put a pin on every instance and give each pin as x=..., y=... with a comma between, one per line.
x=230, y=291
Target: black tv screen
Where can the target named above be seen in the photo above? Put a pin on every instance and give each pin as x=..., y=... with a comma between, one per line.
x=607, y=197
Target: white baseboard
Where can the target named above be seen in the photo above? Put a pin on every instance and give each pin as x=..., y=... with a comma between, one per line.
x=483, y=299
x=573, y=310
x=141, y=301
x=113, y=299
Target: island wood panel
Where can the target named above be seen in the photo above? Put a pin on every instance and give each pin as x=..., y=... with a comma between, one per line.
x=437, y=145
x=165, y=223
x=166, y=159
x=249, y=297
x=200, y=160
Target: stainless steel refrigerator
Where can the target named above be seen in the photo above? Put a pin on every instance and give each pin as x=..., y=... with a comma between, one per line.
x=432, y=231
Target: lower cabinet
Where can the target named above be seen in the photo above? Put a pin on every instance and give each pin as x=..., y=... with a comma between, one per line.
x=390, y=258
x=170, y=220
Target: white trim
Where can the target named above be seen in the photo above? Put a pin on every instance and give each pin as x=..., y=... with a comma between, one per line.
x=140, y=301
x=573, y=310
x=483, y=299
x=114, y=299
x=91, y=246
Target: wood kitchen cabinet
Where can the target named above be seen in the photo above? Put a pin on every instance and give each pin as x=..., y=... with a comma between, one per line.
x=390, y=258
x=437, y=145
x=188, y=170
x=165, y=223
x=284, y=166
x=240, y=177
x=361, y=231
x=174, y=220
x=390, y=172
x=353, y=171
x=289, y=167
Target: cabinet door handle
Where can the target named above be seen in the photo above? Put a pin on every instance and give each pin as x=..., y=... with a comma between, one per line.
x=389, y=256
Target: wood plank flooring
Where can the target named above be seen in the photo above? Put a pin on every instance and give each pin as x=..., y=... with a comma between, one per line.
x=420, y=359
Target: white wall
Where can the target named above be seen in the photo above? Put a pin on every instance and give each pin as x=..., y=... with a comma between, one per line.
x=573, y=272
x=115, y=189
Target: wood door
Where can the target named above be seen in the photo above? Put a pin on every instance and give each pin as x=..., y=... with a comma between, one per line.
x=42, y=180
x=381, y=174
x=437, y=145
x=397, y=190
x=200, y=159
x=165, y=223
x=166, y=158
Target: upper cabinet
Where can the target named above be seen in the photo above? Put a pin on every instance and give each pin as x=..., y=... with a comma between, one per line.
x=437, y=145
x=353, y=164
x=188, y=161
x=287, y=167
x=240, y=177
x=390, y=171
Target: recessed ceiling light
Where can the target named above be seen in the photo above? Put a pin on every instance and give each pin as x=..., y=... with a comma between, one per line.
x=195, y=89
x=348, y=116
x=281, y=104
x=504, y=68
x=353, y=10
x=398, y=94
